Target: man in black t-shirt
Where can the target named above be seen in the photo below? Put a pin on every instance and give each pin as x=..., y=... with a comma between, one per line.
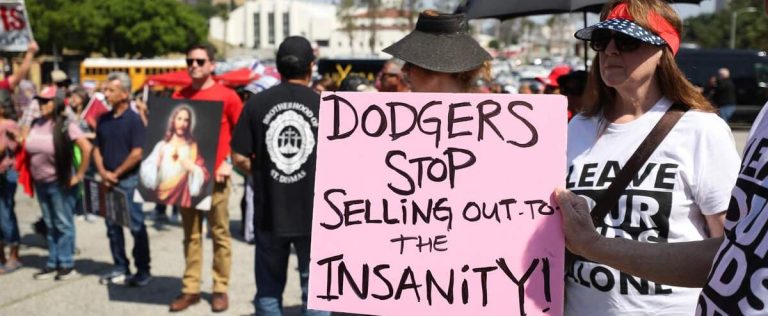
x=275, y=141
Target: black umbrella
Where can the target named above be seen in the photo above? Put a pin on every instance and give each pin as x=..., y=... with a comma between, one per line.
x=507, y=9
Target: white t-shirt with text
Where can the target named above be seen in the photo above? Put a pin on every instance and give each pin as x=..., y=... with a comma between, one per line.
x=738, y=282
x=689, y=175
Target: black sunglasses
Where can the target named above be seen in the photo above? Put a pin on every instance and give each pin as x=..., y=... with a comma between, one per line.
x=198, y=61
x=624, y=43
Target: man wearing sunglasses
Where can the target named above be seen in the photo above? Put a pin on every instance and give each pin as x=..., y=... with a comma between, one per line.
x=200, y=64
x=732, y=268
x=391, y=77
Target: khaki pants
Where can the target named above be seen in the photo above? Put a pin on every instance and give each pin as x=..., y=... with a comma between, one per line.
x=218, y=220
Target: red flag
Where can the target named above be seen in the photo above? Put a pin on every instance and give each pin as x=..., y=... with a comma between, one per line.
x=93, y=110
x=22, y=165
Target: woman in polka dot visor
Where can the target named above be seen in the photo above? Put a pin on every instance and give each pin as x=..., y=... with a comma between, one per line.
x=680, y=194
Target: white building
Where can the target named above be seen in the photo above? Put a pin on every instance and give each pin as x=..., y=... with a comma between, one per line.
x=259, y=26
x=366, y=35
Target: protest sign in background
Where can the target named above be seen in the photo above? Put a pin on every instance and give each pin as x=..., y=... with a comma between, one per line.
x=110, y=203
x=438, y=204
x=15, y=32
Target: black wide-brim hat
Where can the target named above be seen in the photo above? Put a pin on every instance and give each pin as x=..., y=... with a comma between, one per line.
x=440, y=43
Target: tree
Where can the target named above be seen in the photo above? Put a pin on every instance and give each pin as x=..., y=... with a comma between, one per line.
x=714, y=30
x=206, y=8
x=511, y=30
x=373, y=14
x=221, y=10
x=494, y=44
x=116, y=28
x=345, y=15
x=409, y=7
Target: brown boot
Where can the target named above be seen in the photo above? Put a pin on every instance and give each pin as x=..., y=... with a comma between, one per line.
x=219, y=302
x=13, y=254
x=13, y=263
x=183, y=301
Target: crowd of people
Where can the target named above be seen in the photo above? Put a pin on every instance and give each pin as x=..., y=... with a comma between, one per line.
x=707, y=227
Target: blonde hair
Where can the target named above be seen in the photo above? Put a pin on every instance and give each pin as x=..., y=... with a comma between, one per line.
x=675, y=87
x=467, y=78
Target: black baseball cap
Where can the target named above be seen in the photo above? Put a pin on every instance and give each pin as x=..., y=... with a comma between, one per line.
x=294, y=56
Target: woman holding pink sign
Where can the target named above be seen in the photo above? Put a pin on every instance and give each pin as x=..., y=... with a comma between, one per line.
x=679, y=193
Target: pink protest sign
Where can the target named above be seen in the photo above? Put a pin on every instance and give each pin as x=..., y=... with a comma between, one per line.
x=438, y=204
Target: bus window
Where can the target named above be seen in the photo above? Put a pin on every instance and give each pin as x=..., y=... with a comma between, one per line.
x=97, y=69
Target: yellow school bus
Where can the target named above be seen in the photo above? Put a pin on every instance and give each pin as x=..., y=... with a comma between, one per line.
x=97, y=69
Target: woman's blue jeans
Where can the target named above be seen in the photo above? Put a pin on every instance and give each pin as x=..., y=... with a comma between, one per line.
x=9, y=226
x=58, y=203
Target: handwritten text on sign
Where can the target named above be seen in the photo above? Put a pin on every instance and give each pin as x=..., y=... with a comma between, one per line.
x=15, y=33
x=438, y=204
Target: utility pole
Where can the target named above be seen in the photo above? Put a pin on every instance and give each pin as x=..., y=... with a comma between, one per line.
x=735, y=15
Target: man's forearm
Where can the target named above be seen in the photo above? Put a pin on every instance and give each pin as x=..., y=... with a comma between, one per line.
x=26, y=63
x=684, y=264
x=241, y=162
x=129, y=163
x=680, y=264
x=86, y=149
x=98, y=161
x=21, y=73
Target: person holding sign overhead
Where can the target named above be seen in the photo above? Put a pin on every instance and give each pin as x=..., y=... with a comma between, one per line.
x=679, y=194
x=11, y=81
x=440, y=55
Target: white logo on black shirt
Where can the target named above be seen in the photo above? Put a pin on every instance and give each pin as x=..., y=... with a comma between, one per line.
x=290, y=141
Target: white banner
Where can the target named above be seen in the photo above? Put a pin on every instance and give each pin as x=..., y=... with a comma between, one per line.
x=15, y=32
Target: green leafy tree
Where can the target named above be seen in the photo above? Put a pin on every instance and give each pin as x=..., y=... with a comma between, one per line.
x=373, y=14
x=116, y=28
x=206, y=8
x=512, y=30
x=494, y=44
x=714, y=30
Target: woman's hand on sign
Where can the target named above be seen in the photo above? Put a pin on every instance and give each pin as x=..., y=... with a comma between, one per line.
x=579, y=231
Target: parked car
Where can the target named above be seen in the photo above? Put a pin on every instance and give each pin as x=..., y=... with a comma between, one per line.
x=749, y=72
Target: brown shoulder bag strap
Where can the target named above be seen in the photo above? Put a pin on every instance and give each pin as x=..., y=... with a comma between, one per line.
x=611, y=195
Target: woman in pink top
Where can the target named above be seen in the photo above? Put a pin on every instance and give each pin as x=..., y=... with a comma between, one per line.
x=49, y=145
